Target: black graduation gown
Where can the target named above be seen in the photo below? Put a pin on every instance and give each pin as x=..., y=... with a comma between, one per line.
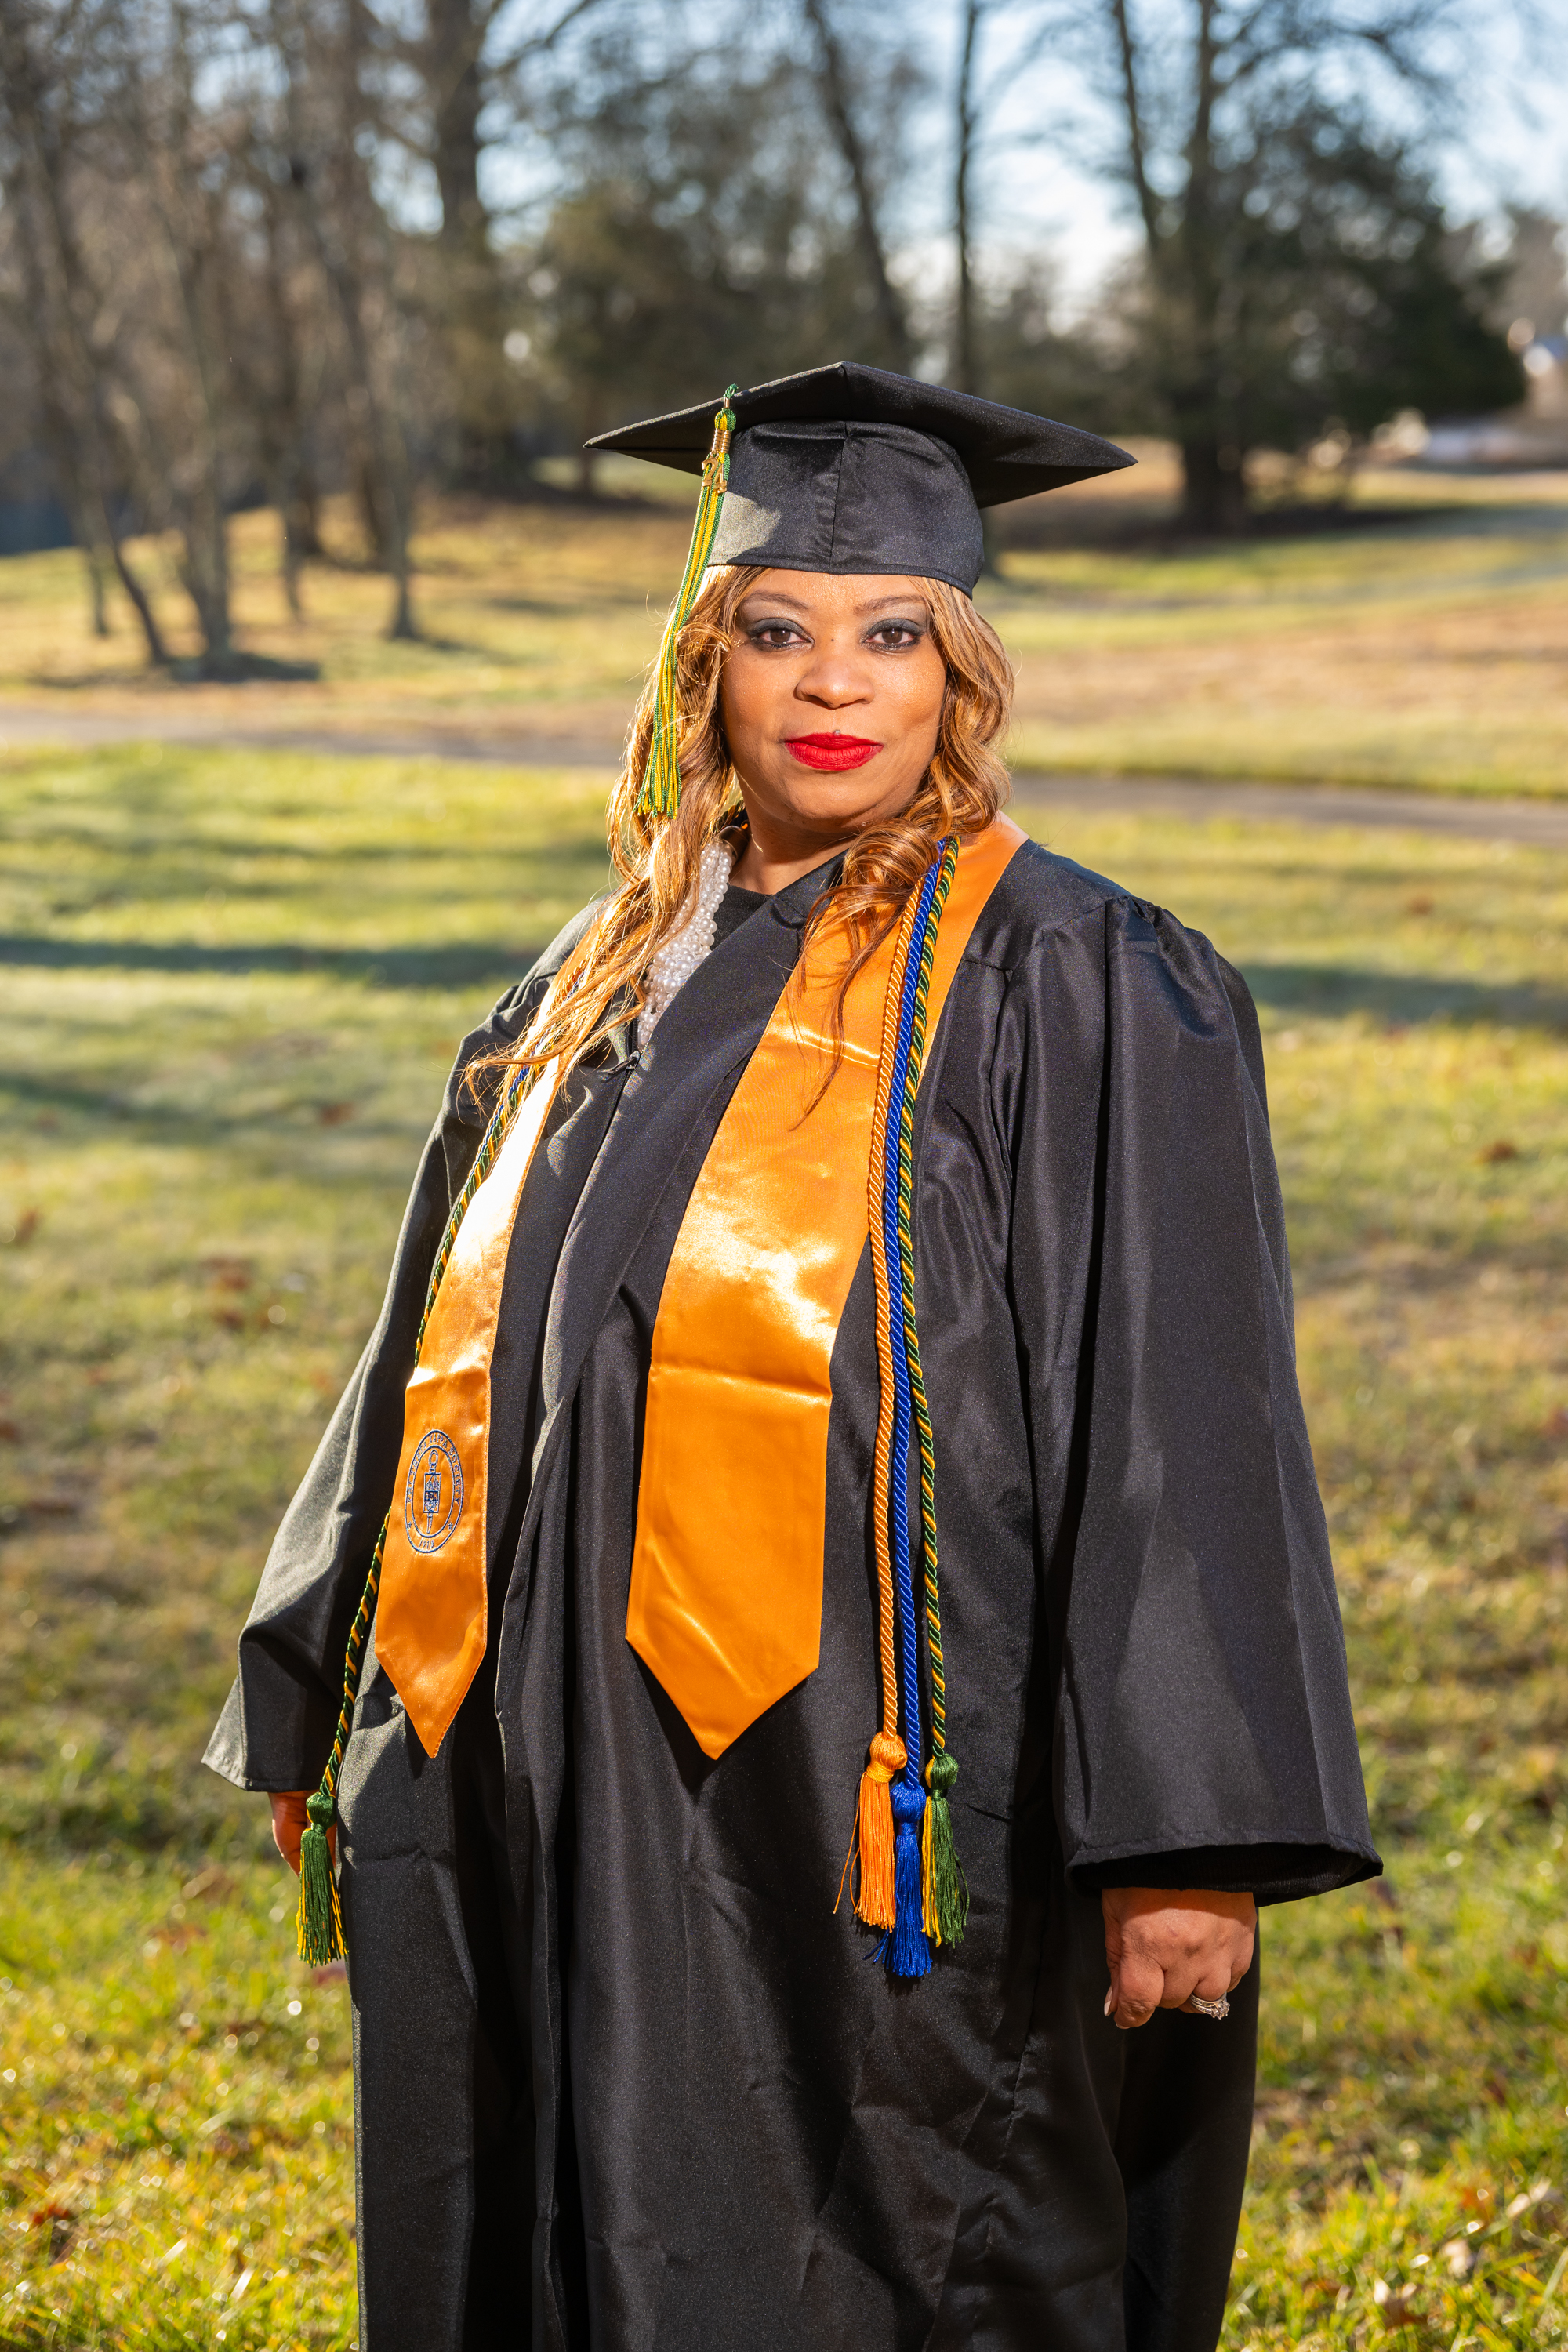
x=624, y=2080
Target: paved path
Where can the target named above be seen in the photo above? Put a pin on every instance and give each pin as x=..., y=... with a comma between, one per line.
x=1541, y=825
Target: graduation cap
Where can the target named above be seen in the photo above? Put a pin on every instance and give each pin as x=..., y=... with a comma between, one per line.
x=846, y=470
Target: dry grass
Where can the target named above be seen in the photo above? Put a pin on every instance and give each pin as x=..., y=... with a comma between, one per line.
x=1428, y=650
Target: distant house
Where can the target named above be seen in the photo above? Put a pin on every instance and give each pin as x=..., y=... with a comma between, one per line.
x=1535, y=433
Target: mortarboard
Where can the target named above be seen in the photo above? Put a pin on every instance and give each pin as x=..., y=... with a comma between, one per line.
x=848, y=468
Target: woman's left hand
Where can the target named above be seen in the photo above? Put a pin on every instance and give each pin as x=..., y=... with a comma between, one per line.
x=1163, y=1946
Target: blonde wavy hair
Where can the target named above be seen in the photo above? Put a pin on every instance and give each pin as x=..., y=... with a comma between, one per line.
x=657, y=858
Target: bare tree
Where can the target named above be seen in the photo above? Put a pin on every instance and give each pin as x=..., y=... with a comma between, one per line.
x=62, y=307
x=967, y=133
x=471, y=295
x=178, y=155
x=839, y=109
x=457, y=80
x=330, y=109
x=1207, y=95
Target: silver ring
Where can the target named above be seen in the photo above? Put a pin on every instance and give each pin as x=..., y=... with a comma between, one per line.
x=1220, y=2008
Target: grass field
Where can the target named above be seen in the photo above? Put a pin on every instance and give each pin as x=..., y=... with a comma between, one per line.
x=233, y=983
x=1419, y=640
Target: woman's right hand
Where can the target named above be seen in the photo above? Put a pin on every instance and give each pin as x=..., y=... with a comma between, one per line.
x=290, y=1822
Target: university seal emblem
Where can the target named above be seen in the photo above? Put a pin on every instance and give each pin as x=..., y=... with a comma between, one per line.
x=432, y=1492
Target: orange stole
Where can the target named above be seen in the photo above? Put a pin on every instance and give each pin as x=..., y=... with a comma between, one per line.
x=430, y=1619
x=725, y=1606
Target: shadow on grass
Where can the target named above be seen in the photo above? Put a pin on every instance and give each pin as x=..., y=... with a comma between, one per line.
x=1403, y=999
x=451, y=964
x=1330, y=988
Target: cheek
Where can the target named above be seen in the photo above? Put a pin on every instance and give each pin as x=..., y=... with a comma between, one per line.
x=743, y=700
x=920, y=687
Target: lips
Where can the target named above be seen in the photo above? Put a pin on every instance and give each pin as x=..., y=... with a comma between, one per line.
x=833, y=752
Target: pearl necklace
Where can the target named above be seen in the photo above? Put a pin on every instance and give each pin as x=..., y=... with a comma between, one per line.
x=684, y=949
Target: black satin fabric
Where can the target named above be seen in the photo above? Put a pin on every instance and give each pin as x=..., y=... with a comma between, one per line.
x=626, y=2081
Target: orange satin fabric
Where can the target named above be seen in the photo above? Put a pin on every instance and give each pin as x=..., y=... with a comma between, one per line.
x=430, y=1619
x=725, y=1605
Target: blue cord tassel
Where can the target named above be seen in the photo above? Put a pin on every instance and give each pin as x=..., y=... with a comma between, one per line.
x=906, y=1952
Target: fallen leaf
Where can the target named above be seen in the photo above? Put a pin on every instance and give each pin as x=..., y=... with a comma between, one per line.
x=1501, y=1149
x=333, y=1114
x=174, y=1937
x=209, y=1886
x=1396, y=2305
x=229, y=1273
x=60, y=2224
x=26, y=1225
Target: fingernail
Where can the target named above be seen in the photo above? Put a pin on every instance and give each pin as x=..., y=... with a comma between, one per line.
x=1109, y=2000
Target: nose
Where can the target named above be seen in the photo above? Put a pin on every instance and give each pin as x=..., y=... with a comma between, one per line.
x=835, y=677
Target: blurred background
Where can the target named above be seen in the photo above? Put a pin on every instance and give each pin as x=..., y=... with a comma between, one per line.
x=318, y=636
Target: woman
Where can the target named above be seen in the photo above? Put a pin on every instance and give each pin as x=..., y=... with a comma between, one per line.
x=836, y=1387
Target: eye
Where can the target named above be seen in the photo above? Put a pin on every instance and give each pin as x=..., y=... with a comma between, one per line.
x=896, y=636
x=776, y=634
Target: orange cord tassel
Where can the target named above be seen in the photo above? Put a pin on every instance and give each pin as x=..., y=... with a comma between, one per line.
x=874, y=1895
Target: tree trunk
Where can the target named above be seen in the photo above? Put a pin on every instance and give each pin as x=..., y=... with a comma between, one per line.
x=305, y=514
x=471, y=300
x=891, y=321
x=141, y=603
x=336, y=237
x=1214, y=490
x=966, y=357
x=98, y=600
x=1186, y=282
x=193, y=264
x=1214, y=487
x=280, y=406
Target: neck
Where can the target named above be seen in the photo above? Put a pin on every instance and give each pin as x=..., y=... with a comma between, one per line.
x=754, y=871
x=771, y=858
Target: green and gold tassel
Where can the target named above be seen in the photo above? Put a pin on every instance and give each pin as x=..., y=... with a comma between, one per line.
x=944, y=1892
x=660, y=792
x=319, y=1923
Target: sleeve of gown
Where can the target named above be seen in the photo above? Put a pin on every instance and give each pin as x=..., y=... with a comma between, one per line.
x=1205, y=1736
x=277, y=1725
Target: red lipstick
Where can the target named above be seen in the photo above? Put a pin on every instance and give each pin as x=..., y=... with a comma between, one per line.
x=835, y=753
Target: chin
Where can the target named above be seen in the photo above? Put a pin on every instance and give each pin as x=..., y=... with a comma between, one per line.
x=836, y=804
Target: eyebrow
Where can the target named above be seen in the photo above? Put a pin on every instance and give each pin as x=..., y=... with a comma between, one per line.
x=758, y=600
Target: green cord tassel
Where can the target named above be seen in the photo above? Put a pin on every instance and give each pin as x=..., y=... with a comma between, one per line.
x=946, y=1892
x=660, y=792
x=319, y=1922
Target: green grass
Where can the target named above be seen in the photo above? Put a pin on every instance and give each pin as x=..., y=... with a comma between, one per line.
x=233, y=983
